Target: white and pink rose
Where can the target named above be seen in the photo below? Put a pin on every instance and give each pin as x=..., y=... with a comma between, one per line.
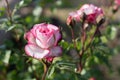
x=43, y=41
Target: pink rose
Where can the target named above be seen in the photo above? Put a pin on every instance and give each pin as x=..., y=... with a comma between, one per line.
x=43, y=41
x=73, y=16
x=117, y=2
x=91, y=12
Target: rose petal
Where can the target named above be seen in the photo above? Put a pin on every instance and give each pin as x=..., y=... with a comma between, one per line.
x=69, y=20
x=43, y=33
x=30, y=37
x=50, y=41
x=55, y=52
x=89, y=9
x=58, y=36
x=46, y=44
x=53, y=27
x=42, y=36
x=40, y=44
x=56, y=32
x=75, y=15
x=33, y=30
x=45, y=36
x=35, y=51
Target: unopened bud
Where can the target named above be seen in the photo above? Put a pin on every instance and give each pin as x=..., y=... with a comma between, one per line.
x=83, y=16
x=70, y=21
x=100, y=20
x=115, y=8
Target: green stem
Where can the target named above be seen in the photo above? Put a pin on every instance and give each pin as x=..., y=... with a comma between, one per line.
x=91, y=39
x=46, y=68
x=9, y=11
x=73, y=38
x=45, y=72
x=83, y=40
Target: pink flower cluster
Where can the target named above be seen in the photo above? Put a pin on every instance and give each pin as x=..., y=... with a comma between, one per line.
x=91, y=12
x=117, y=2
x=42, y=41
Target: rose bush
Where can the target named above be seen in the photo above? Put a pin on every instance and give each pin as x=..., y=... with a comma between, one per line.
x=43, y=41
x=91, y=13
x=85, y=47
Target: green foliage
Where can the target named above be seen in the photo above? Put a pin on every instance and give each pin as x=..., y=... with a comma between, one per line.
x=2, y=11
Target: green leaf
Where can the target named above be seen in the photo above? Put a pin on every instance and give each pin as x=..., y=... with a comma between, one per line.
x=11, y=27
x=7, y=56
x=51, y=71
x=104, y=39
x=2, y=11
x=113, y=32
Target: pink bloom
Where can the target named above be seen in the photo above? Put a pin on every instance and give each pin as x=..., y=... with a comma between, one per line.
x=73, y=15
x=42, y=41
x=91, y=12
x=117, y=2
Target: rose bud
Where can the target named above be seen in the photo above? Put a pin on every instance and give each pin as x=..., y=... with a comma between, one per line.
x=100, y=20
x=87, y=12
x=115, y=8
x=72, y=19
x=91, y=12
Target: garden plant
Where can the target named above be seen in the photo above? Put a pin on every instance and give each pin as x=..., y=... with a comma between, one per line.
x=40, y=49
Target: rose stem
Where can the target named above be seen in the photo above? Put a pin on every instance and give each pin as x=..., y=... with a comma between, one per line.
x=73, y=37
x=91, y=39
x=45, y=72
x=46, y=67
x=83, y=39
x=8, y=11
